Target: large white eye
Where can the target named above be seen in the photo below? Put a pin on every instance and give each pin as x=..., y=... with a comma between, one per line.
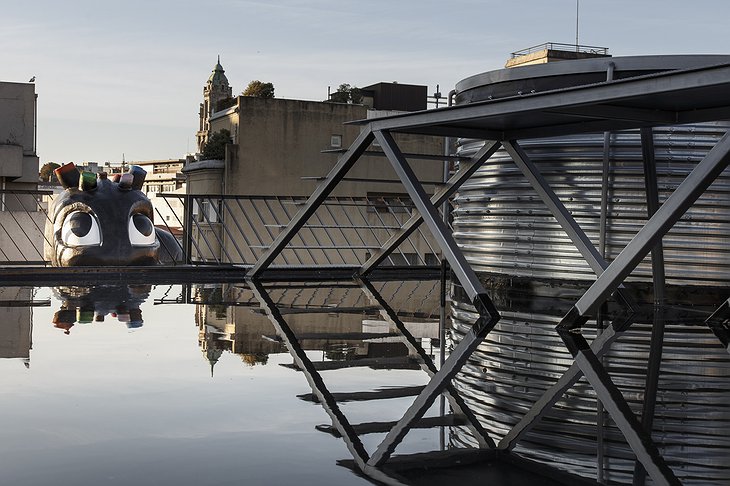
x=141, y=230
x=80, y=229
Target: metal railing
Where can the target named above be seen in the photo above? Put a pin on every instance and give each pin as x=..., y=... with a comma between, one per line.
x=224, y=230
x=23, y=215
x=344, y=231
x=557, y=46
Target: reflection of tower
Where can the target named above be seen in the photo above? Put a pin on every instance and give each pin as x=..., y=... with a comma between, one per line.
x=15, y=331
x=215, y=90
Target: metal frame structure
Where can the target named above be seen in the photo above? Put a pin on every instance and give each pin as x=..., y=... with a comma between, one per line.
x=668, y=98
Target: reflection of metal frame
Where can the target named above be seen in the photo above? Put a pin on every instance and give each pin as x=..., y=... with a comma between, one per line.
x=676, y=97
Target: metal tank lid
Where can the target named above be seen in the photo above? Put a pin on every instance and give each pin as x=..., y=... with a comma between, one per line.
x=635, y=65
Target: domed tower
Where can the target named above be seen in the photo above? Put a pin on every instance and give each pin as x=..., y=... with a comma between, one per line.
x=215, y=90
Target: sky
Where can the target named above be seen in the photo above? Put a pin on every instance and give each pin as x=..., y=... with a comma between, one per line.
x=125, y=78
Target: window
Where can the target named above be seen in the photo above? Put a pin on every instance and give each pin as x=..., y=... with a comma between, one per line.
x=336, y=141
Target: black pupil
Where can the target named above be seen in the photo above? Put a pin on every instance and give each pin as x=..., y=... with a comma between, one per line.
x=143, y=224
x=80, y=224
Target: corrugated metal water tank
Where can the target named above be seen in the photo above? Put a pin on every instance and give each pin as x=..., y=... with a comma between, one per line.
x=502, y=226
x=508, y=236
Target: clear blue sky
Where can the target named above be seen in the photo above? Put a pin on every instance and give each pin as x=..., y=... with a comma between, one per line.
x=126, y=77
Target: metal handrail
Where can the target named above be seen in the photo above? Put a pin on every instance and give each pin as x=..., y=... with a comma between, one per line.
x=558, y=46
x=246, y=226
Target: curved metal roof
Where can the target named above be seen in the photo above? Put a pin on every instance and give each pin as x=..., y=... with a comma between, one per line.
x=673, y=97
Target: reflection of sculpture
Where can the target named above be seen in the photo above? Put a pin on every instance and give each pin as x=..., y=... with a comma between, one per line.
x=84, y=305
x=102, y=222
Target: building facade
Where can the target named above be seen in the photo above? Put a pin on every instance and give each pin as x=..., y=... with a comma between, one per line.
x=284, y=148
x=216, y=89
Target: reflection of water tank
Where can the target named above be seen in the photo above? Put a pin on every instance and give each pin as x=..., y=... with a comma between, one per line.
x=503, y=228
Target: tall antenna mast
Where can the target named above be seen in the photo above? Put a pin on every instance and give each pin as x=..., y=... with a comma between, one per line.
x=577, y=2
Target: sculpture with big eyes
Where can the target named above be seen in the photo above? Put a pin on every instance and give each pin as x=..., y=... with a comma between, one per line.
x=104, y=222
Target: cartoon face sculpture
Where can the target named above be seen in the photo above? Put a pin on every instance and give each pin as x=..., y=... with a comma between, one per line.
x=103, y=222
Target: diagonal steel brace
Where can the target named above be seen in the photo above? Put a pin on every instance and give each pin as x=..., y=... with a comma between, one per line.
x=344, y=164
x=466, y=169
x=452, y=394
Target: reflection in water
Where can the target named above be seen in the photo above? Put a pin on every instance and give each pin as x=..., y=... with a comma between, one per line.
x=84, y=305
x=142, y=377
x=337, y=319
x=16, y=322
x=523, y=356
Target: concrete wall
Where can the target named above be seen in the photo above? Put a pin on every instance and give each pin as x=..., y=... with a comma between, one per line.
x=278, y=142
x=18, y=160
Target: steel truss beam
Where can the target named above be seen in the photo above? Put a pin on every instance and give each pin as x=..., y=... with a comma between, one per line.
x=719, y=324
x=613, y=401
x=561, y=214
x=452, y=394
x=344, y=164
x=600, y=346
x=652, y=232
x=320, y=390
x=466, y=169
x=441, y=233
x=438, y=382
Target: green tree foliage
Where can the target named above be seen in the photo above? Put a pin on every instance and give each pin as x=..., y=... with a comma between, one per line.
x=47, y=171
x=346, y=94
x=215, y=147
x=259, y=89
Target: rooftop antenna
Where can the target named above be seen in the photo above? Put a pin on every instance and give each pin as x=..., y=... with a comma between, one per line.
x=577, y=4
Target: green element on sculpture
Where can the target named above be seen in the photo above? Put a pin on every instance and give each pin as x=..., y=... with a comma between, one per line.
x=101, y=222
x=87, y=181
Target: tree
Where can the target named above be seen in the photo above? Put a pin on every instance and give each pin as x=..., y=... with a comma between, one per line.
x=259, y=89
x=346, y=94
x=47, y=170
x=215, y=147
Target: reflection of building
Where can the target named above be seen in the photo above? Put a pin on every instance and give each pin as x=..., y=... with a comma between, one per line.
x=341, y=322
x=16, y=327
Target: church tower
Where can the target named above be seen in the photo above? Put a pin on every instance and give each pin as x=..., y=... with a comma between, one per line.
x=215, y=90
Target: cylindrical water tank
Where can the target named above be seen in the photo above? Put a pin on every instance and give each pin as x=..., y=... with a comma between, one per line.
x=509, y=237
x=502, y=226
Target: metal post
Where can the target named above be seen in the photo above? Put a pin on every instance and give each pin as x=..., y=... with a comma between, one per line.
x=657, y=265
x=188, y=230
